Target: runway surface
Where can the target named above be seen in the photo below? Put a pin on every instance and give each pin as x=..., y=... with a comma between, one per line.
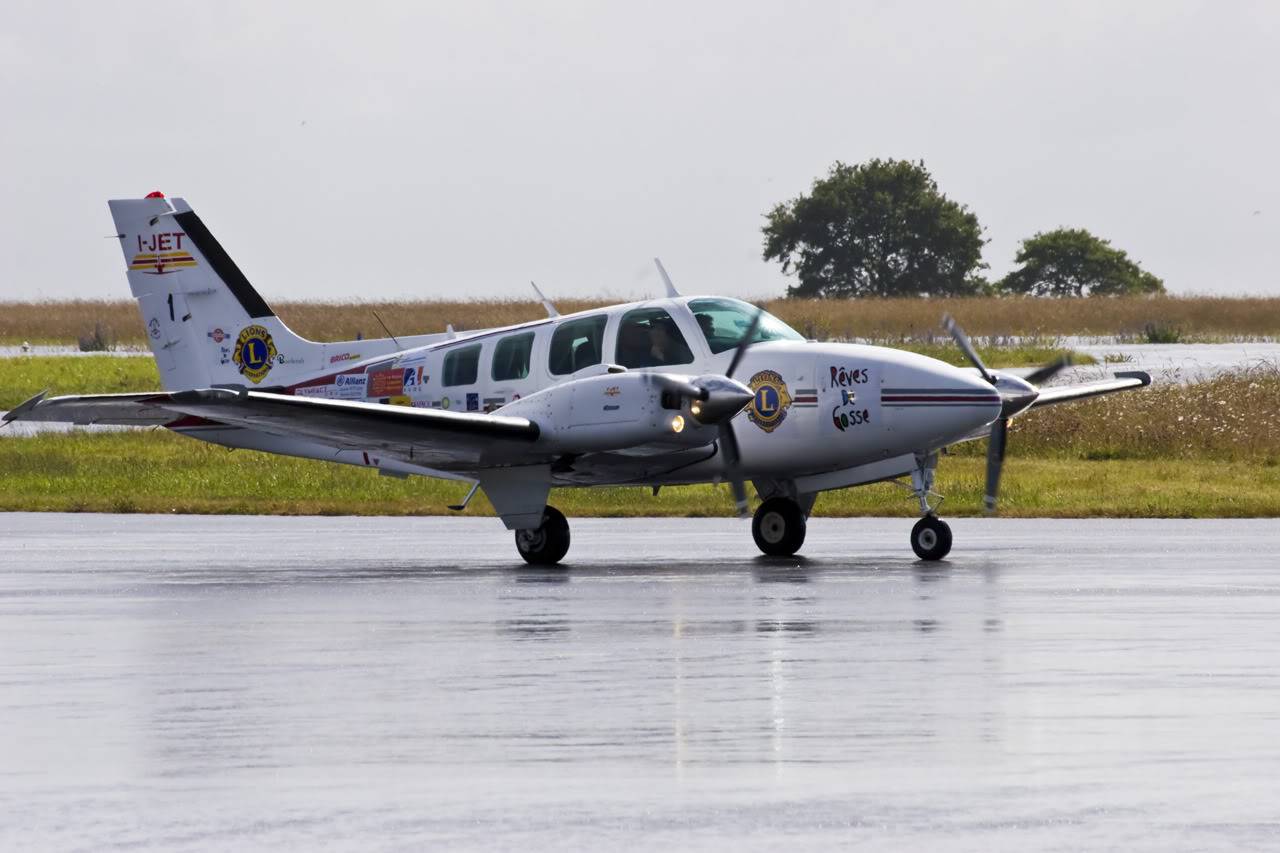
x=231, y=683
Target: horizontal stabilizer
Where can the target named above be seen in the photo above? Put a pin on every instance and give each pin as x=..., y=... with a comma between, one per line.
x=109, y=409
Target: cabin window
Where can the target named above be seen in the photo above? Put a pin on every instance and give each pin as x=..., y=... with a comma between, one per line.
x=724, y=321
x=648, y=337
x=511, y=357
x=577, y=344
x=460, y=365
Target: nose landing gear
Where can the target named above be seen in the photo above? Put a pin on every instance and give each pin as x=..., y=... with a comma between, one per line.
x=931, y=537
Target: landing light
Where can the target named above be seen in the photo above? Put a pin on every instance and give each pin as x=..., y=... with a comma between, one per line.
x=677, y=423
x=696, y=408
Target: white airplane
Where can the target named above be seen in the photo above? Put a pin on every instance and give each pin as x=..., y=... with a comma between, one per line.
x=668, y=391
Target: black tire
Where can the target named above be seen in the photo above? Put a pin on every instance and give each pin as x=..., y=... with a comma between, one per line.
x=545, y=545
x=931, y=538
x=778, y=527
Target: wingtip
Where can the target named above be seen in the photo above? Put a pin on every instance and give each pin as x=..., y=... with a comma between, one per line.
x=1141, y=375
x=25, y=407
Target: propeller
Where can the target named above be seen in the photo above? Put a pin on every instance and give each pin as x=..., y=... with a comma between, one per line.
x=1016, y=396
x=729, y=441
x=714, y=400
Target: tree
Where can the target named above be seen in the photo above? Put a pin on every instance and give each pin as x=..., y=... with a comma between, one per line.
x=879, y=228
x=1073, y=262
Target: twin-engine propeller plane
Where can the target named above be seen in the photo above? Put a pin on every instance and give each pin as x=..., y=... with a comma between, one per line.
x=668, y=391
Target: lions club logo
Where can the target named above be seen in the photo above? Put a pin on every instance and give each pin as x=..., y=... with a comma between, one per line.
x=254, y=353
x=769, y=406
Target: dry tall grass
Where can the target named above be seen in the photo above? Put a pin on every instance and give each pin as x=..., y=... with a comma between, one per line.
x=876, y=319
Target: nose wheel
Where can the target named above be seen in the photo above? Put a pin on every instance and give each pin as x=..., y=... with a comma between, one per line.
x=778, y=527
x=931, y=538
x=547, y=544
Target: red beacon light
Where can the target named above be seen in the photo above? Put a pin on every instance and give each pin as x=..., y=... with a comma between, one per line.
x=155, y=194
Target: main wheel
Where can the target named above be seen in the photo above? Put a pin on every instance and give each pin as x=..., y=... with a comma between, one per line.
x=931, y=538
x=778, y=527
x=545, y=545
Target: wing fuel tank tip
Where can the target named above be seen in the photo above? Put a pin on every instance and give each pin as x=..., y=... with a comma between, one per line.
x=25, y=407
x=1141, y=375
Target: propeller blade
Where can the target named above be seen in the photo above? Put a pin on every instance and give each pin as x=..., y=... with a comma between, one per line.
x=962, y=340
x=995, y=462
x=744, y=342
x=1041, y=375
x=732, y=458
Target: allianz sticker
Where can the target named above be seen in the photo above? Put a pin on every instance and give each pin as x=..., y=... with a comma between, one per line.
x=769, y=406
x=254, y=353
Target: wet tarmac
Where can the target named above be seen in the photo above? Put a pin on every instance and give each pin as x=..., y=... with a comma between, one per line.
x=232, y=683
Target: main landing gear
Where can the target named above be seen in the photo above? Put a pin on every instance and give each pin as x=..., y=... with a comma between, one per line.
x=547, y=544
x=931, y=537
x=778, y=527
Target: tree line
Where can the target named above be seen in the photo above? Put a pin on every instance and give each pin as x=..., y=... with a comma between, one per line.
x=883, y=228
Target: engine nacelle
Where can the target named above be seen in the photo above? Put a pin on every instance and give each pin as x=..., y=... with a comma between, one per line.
x=626, y=412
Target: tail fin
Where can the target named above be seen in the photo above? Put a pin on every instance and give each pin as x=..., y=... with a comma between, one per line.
x=205, y=322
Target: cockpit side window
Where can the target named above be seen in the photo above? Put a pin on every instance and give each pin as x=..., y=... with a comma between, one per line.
x=577, y=344
x=648, y=337
x=724, y=321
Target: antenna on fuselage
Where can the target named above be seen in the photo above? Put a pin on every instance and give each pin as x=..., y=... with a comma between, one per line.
x=448, y=330
x=666, y=280
x=384, y=327
x=546, y=303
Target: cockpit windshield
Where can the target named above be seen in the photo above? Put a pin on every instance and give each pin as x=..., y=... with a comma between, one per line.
x=725, y=321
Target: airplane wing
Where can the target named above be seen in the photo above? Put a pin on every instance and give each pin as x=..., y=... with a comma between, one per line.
x=1124, y=380
x=424, y=435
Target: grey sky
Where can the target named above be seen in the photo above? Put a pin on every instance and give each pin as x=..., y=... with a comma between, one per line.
x=432, y=150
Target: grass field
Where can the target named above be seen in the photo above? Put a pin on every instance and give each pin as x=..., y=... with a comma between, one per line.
x=881, y=320
x=162, y=472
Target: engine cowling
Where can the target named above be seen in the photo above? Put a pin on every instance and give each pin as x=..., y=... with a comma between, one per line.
x=629, y=412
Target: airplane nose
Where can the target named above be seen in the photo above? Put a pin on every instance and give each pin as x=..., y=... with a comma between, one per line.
x=972, y=398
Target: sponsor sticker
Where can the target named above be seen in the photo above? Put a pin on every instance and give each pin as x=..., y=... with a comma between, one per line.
x=153, y=328
x=769, y=406
x=473, y=402
x=217, y=335
x=327, y=391
x=386, y=383
x=254, y=353
x=350, y=386
x=413, y=378
x=612, y=391
x=344, y=356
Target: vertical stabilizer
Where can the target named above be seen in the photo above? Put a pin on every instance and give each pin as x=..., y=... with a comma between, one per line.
x=204, y=321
